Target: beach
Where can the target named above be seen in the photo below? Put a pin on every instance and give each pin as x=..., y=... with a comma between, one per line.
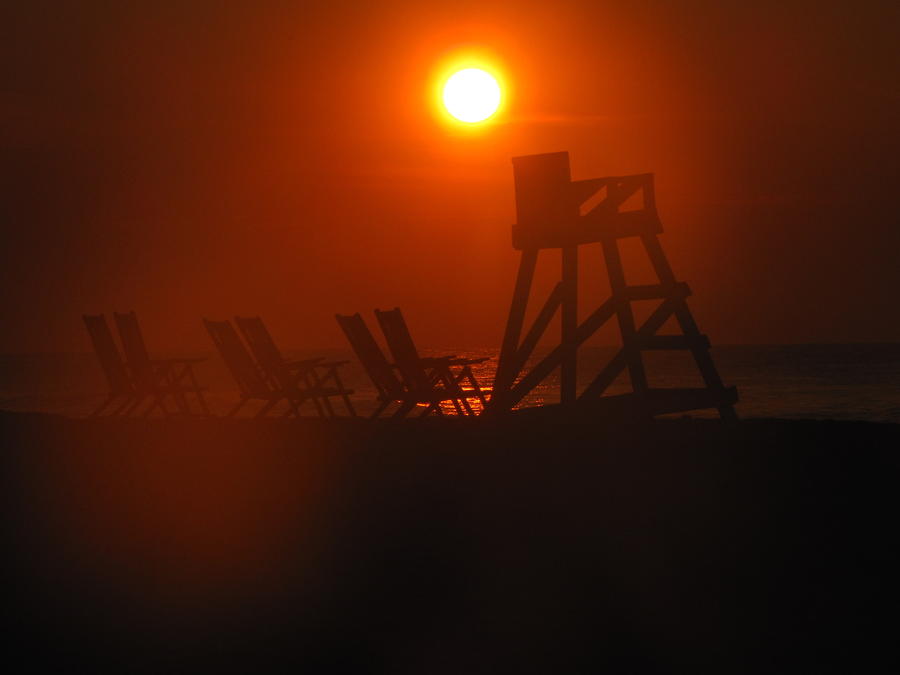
x=522, y=544
x=804, y=381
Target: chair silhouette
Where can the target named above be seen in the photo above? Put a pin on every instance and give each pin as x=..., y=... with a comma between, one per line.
x=420, y=373
x=252, y=382
x=388, y=385
x=158, y=378
x=307, y=379
x=121, y=387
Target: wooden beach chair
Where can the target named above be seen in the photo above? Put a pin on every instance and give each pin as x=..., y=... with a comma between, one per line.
x=121, y=388
x=314, y=379
x=387, y=383
x=251, y=380
x=447, y=372
x=158, y=378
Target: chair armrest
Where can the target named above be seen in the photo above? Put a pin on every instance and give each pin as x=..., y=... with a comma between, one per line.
x=468, y=362
x=436, y=360
x=177, y=362
x=303, y=363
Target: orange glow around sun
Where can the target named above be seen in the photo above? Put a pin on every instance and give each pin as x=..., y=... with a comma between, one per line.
x=470, y=89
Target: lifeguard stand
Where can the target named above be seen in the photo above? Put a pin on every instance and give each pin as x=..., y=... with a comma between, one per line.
x=548, y=206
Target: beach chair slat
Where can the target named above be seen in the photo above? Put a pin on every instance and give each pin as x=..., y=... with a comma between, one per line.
x=108, y=354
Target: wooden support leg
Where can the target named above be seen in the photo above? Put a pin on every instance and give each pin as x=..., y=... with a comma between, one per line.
x=686, y=322
x=625, y=315
x=510, y=347
x=569, y=318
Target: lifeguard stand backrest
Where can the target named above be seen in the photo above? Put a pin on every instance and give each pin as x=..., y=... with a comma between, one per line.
x=543, y=190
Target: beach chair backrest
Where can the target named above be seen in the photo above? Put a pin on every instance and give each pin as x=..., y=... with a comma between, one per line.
x=245, y=372
x=263, y=348
x=370, y=355
x=108, y=354
x=136, y=355
x=402, y=347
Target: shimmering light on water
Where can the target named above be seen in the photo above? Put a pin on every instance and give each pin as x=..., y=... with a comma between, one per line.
x=859, y=381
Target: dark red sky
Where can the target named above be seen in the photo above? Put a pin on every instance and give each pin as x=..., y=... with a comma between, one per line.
x=283, y=159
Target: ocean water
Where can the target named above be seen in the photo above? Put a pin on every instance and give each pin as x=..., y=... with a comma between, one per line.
x=826, y=381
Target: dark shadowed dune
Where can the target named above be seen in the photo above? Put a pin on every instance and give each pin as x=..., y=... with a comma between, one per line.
x=450, y=546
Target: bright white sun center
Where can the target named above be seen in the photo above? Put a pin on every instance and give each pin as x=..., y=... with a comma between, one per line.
x=471, y=95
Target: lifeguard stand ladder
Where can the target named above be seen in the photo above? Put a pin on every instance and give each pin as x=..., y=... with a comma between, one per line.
x=548, y=206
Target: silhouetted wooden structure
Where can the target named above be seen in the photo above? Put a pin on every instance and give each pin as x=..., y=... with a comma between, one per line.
x=158, y=378
x=251, y=381
x=552, y=214
x=121, y=389
x=430, y=390
x=313, y=379
x=418, y=372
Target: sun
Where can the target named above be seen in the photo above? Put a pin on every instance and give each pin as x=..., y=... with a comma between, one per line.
x=471, y=95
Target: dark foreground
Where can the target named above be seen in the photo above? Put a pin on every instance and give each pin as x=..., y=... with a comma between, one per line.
x=524, y=546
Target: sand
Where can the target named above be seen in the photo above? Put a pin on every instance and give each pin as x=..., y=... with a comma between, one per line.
x=454, y=546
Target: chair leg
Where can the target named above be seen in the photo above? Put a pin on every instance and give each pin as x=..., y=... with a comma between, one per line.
x=470, y=376
x=467, y=407
x=350, y=409
x=380, y=409
x=450, y=384
x=156, y=402
x=133, y=405
x=317, y=381
x=204, y=409
x=315, y=399
x=403, y=410
x=293, y=408
x=344, y=395
x=435, y=408
x=234, y=410
x=266, y=408
x=127, y=403
x=109, y=399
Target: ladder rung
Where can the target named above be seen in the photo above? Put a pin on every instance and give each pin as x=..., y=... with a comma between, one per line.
x=657, y=291
x=673, y=342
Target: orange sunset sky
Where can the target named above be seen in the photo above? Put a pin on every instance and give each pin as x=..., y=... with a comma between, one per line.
x=288, y=159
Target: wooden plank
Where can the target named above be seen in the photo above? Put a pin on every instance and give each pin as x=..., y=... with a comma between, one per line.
x=686, y=321
x=537, y=330
x=569, y=323
x=658, y=259
x=625, y=315
x=591, y=228
x=510, y=345
x=546, y=365
x=615, y=366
